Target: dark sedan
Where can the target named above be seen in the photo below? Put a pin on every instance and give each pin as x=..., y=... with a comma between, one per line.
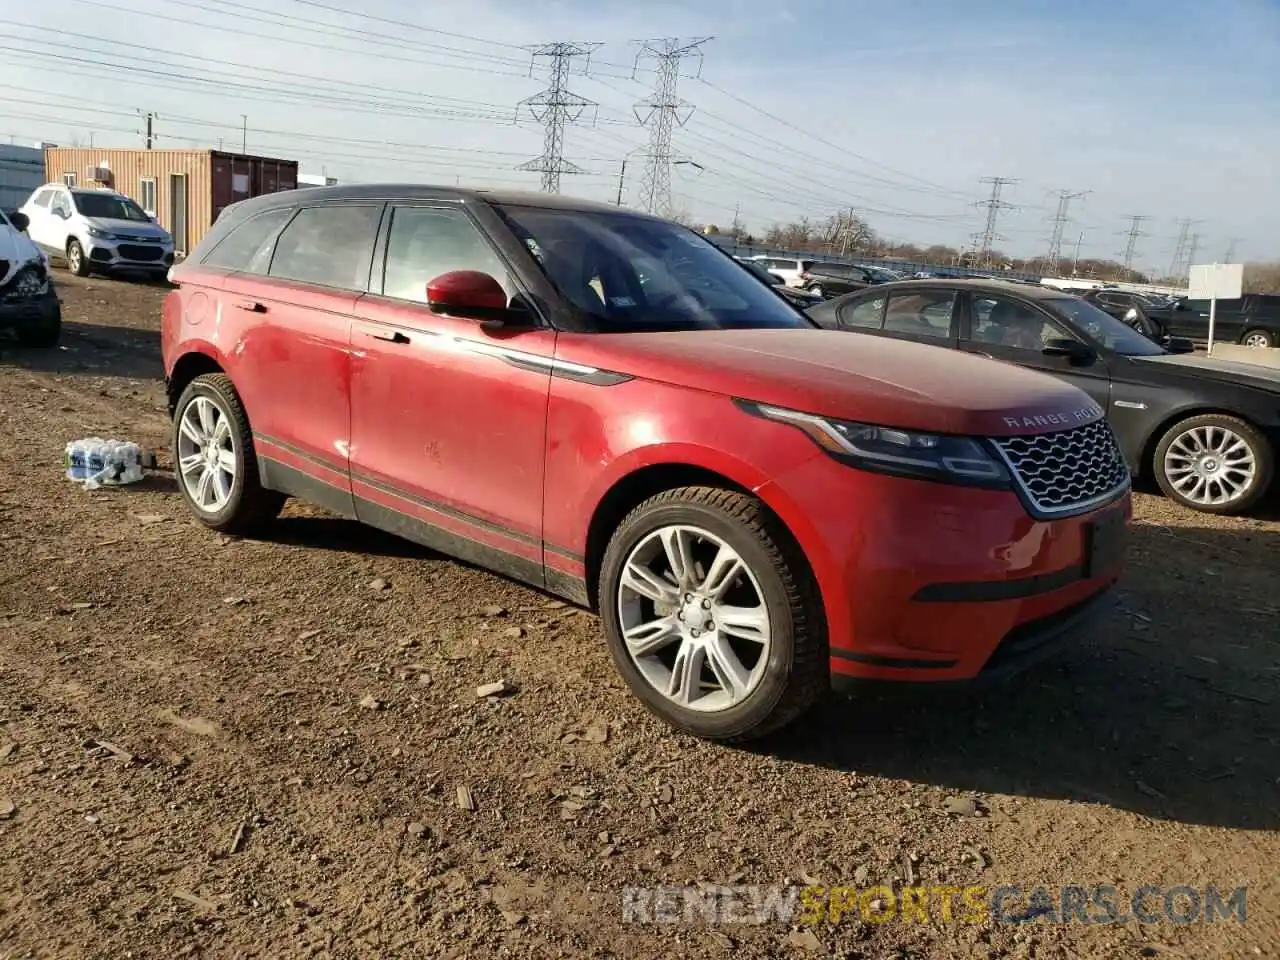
x=1205, y=429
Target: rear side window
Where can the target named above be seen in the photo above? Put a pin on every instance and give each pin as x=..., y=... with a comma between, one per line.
x=329, y=245
x=865, y=313
x=425, y=242
x=237, y=250
x=925, y=313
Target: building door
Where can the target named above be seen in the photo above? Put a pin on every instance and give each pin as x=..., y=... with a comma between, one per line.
x=178, y=212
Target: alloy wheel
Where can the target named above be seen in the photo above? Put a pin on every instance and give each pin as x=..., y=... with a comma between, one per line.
x=694, y=619
x=1211, y=465
x=206, y=454
x=1257, y=340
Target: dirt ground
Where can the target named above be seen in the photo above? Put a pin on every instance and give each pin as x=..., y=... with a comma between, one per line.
x=242, y=748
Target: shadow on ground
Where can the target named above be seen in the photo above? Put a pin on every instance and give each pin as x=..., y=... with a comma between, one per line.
x=92, y=350
x=1171, y=710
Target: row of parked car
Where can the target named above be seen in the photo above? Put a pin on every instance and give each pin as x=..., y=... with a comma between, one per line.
x=920, y=481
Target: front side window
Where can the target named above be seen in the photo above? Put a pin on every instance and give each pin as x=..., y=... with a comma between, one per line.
x=108, y=206
x=240, y=249
x=920, y=313
x=425, y=242
x=1103, y=328
x=42, y=198
x=631, y=273
x=1008, y=323
x=865, y=313
x=328, y=245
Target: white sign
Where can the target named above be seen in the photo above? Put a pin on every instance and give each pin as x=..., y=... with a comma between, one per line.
x=1217, y=281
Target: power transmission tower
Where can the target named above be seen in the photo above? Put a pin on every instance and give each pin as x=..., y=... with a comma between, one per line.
x=1231, y=250
x=662, y=113
x=1182, y=251
x=1060, y=219
x=1135, y=231
x=1192, y=248
x=555, y=108
x=984, y=241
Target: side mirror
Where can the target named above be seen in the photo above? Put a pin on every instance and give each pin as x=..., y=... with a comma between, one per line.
x=1074, y=350
x=469, y=294
x=19, y=221
x=1180, y=345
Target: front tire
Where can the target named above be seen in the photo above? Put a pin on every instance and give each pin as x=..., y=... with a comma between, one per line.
x=712, y=616
x=1214, y=464
x=77, y=262
x=214, y=460
x=1258, y=338
x=817, y=288
x=45, y=332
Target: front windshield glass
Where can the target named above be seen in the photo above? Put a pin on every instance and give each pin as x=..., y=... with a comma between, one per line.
x=1104, y=328
x=632, y=273
x=108, y=207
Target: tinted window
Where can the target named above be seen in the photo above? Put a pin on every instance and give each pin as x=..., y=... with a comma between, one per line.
x=237, y=250
x=628, y=272
x=920, y=313
x=1104, y=328
x=864, y=313
x=1008, y=323
x=428, y=241
x=108, y=207
x=328, y=245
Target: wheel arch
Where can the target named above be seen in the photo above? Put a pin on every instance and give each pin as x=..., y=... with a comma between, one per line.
x=637, y=486
x=190, y=365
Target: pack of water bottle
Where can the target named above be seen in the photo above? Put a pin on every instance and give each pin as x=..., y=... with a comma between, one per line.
x=95, y=462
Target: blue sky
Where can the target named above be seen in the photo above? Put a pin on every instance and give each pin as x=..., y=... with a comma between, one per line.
x=1164, y=109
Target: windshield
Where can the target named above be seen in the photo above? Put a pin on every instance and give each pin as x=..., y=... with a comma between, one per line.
x=883, y=275
x=1104, y=328
x=631, y=273
x=107, y=206
x=770, y=278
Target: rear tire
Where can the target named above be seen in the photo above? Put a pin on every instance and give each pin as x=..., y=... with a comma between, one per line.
x=1200, y=460
x=1258, y=338
x=214, y=460
x=77, y=263
x=757, y=635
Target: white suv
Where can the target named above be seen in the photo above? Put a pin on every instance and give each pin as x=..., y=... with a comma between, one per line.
x=97, y=230
x=793, y=271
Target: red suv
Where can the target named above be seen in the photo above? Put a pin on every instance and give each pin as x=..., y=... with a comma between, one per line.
x=606, y=406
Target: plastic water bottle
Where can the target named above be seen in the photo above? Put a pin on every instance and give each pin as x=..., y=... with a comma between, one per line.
x=95, y=462
x=77, y=461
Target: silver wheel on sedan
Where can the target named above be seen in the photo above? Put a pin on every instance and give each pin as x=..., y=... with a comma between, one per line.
x=206, y=454
x=694, y=618
x=1210, y=465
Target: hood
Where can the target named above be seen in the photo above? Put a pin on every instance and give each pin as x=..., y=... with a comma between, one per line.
x=1203, y=367
x=130, y=228
x=16, y=250
x=837, y=374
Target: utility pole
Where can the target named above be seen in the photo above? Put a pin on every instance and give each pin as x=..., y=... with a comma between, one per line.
x=244, y=134
x=661, y=113
x=984, y=241
x=1135, y=231
x=554, y=108
x=149, y=136
x=1075, y=261
x=1054, y=256
x=621, y=176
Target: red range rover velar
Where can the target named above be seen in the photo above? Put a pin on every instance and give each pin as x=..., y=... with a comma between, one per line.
x=606, y=406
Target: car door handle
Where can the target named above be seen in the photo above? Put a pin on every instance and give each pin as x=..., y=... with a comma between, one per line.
x=396, y=337
x=253, y=306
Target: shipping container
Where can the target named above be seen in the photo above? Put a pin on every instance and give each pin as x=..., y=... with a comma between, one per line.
x=21, y=171
x=184, y=190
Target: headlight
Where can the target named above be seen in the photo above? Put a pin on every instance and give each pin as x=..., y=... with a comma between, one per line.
x=909, y=453
x=98, y=234
x=30, y=282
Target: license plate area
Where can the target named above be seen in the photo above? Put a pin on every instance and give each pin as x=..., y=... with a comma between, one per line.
x=1105, y=540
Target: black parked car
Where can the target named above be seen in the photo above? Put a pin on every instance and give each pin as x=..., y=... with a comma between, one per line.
x=1205, y=429
x=1253, y=320
x=835, y=279
x=1148, y=315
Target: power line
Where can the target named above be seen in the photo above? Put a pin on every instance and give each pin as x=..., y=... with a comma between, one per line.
x=554, y=108
x=1060, y=220
x=1135, y=231
x=663, y=111
x=985, y=240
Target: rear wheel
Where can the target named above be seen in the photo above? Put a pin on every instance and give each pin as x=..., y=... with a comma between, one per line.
x=1259, y=338
x=214, y=459
x=711, y=614
x=1214, y=464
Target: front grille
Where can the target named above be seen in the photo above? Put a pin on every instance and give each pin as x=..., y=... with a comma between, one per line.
x=1069, y=470
x=134, y=251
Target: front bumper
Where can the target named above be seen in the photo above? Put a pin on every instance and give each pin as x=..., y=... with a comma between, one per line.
x=928, y=582
x=31, y=311
x=128, y=254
